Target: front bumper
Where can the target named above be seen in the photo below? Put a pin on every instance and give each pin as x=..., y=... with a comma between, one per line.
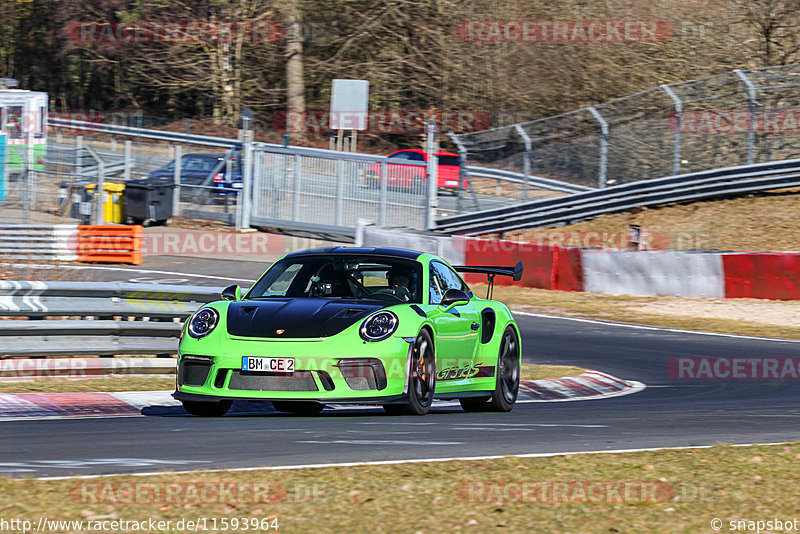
x=363, y=373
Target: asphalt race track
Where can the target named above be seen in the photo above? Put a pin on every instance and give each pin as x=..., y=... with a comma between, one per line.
x=668, y=413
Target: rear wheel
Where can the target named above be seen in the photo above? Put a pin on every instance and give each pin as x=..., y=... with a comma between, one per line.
x=207, y=409
x=507, y=386
x=306, y=408
x=421, y=380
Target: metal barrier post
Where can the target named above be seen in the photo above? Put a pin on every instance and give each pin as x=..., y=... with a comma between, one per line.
x=384, y=193
x=78, y=154
x=176, y=181
x=432, y=147
x=337, y=211
x=98, y=217
x=751, y=107
x=246, y=193
x=676, y=135
x=297, y=172
x=127, y=161
x=601, y=177
x=526, y=158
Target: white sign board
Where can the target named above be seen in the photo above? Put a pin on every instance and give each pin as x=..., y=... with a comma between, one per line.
x=349, y=105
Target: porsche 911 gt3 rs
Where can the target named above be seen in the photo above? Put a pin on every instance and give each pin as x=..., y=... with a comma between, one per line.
x=383, y=326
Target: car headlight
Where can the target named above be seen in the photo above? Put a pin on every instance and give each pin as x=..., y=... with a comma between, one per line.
x=379, y=326
x=203, y=322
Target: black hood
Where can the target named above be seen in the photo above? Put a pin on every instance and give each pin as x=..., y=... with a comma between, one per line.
x=296, y=317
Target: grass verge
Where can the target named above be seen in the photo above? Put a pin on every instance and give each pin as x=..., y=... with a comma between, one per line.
x=664, y=491
x=111, y=383
x=624, y=308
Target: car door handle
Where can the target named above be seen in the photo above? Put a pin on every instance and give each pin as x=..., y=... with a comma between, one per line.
x=475, y=326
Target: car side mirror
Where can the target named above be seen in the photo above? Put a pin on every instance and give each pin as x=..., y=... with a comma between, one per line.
x=454, y=297
x=233, y=292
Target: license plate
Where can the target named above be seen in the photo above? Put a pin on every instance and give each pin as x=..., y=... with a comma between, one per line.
x=451, y=182
x=267, y=365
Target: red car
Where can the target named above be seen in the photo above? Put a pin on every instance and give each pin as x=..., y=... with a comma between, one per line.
x=413, y=177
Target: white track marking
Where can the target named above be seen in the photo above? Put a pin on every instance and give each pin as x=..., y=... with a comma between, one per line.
x=395, y=462
x=645, y=327
x=378, y=442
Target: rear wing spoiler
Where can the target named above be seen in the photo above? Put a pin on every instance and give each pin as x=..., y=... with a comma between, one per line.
x=514, y=272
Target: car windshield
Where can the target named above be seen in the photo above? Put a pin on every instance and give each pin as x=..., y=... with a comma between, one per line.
x=342, y=276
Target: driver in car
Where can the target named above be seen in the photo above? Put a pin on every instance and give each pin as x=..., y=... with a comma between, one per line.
x=399, y=278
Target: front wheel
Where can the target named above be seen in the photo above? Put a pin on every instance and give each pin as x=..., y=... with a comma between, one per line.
x=421, y=380
x=305, y=408
x=207, y=409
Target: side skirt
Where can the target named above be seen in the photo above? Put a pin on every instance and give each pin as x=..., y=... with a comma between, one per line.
x=464, y=394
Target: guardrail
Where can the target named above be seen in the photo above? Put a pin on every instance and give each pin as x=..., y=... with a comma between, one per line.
x=95, y=305
x=587, y=205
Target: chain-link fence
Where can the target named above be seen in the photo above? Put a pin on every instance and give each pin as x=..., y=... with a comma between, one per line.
x=740, y=117
x=282, y=187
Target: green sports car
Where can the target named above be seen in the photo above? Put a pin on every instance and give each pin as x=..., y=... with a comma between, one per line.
x=353, y=325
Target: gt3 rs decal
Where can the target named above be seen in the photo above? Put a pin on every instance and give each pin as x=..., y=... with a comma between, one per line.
x=467, y=371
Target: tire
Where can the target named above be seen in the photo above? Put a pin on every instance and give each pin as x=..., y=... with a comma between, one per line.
x=422, y=379
x=508, y=369
x=304, y=408
x=207, y=409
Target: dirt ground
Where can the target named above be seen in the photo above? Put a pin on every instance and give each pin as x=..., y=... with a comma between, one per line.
x=755, y=223
x=748, y=310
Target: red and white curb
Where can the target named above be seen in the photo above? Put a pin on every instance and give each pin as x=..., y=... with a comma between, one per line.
x=586, y=386
x=590, y=385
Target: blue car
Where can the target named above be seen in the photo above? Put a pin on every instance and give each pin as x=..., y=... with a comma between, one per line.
x=195, y=170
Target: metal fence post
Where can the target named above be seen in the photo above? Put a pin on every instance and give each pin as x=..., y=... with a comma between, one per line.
x=751, y=107
x=297, y=171
x=337, y=210
x=526, y=158
x=100, y=192
x=127, y=161
x=432, y=148
x=78, y=154
x=601, y=176
x=676, y=134
x=384, y=193
x=176, y=181
x=247, y=182
x=462, y=167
